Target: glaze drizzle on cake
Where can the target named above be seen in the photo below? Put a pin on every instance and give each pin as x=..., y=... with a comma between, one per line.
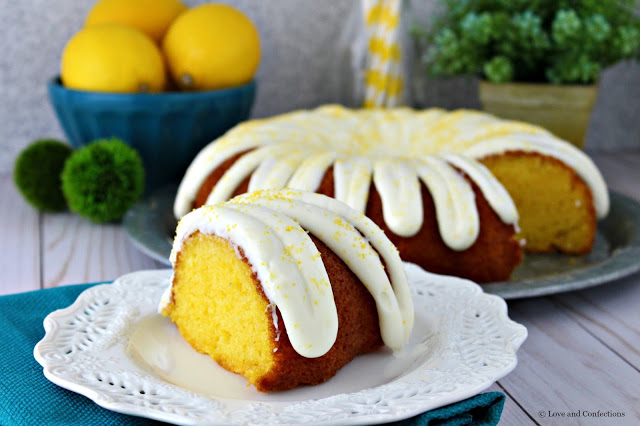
x=395, y=150
x=270, y=227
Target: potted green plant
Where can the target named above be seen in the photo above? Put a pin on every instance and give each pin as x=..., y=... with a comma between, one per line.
x=538, y=61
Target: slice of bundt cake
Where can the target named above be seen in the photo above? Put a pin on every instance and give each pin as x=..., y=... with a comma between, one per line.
x=286, y=287
x=459, y=193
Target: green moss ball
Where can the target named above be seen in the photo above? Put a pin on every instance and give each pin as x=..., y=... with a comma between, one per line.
x=102, y=180
x=37, y=174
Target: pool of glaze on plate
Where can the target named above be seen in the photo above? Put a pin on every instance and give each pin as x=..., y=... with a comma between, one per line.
x=156, y=344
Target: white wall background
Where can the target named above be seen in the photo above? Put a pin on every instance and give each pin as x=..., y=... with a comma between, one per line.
x=302, y=66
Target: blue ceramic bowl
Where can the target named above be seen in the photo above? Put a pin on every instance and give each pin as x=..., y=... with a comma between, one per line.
x=167, y=129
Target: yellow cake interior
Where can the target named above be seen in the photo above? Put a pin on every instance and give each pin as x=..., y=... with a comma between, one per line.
x=554, y=205
x=218, y=309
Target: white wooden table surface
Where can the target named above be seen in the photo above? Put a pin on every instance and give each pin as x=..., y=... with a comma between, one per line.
x=582, y=354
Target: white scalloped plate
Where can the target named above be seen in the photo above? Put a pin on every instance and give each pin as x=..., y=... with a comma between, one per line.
x=112, y=347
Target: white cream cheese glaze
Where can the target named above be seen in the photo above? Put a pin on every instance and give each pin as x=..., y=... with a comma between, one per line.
x=271, y=229
x=454, y=201
x=397, y=183
x=393, y=149
x=352, y=177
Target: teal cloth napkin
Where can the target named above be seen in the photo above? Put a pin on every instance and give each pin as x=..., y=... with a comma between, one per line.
x=28, y=398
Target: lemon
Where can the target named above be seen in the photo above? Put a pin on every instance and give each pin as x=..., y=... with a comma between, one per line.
x=211, y=46
x=112, y=58
x=152, y=17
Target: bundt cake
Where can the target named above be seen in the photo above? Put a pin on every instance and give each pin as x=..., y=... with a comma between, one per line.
x=286, y=287
x=459, y=193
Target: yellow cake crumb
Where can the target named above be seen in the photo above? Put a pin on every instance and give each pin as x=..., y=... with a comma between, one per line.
x=546, y=193
x=217, y=308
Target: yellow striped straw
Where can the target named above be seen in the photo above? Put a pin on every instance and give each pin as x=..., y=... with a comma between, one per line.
x=383, y=74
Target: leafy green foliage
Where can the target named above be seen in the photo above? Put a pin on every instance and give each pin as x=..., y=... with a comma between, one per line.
x=102, y=180
x=37, y=174
x=562, y=42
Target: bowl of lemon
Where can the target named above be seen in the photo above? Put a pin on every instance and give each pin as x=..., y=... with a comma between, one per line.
x=164, y=78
